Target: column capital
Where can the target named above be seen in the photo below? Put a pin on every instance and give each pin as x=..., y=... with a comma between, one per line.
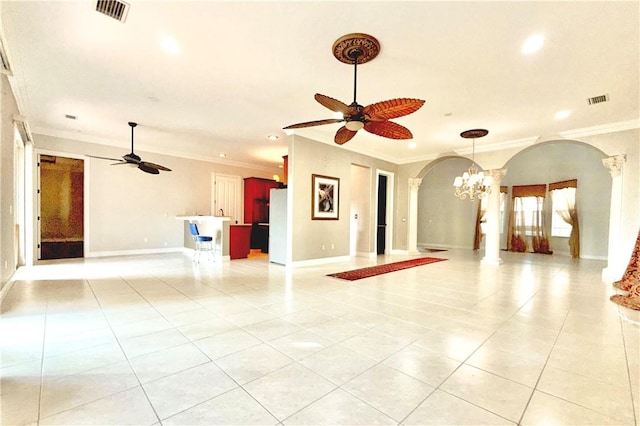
x=496, y=174
x=614, y=164
x=414, y=183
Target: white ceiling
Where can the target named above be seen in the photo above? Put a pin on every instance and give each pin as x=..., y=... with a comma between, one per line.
x=247, y=69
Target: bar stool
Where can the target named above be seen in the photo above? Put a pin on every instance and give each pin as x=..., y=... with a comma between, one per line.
x=202, y=242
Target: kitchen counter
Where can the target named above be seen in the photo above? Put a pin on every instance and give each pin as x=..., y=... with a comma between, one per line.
x=214, y=226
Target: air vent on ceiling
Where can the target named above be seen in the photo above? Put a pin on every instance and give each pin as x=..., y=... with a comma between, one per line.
x=113, y=8
x=598, y=99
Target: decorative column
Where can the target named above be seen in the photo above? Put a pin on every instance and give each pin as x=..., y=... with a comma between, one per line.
x=616, y=259
x=412, y=228
x=492, y=224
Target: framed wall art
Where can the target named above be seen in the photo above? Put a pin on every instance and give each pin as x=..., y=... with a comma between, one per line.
x=325, y=199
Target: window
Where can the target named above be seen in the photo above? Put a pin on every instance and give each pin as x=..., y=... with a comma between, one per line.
x=529, y=208
x=560, y=199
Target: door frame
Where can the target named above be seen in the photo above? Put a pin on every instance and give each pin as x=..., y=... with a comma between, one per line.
x=388, y=248
x=240, y=196
x=35, y=191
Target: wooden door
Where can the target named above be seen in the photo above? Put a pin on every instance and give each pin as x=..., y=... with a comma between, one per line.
x=226, y=197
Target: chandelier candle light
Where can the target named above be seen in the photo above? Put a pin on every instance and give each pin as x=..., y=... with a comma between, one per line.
x=473, y=183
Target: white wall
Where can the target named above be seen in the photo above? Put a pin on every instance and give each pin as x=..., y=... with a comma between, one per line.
x=563, y=160
x=8, y=241
x=360, y=210
x=444, y=220
x=612, y=140
x=132, y=211
x=307, y=157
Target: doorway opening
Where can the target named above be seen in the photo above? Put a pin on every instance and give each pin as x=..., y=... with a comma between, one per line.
x=383, y=212
x=61, y=207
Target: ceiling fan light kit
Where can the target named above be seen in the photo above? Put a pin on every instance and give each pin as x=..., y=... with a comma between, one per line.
x=359, y=48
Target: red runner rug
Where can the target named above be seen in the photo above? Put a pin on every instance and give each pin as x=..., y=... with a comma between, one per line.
x=371, y=271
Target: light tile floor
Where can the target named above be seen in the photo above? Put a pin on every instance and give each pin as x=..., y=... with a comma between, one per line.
x=159, y=340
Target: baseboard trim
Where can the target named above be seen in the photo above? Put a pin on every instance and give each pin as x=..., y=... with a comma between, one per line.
x=135, y=252
x=6, y=287
x=319, y=261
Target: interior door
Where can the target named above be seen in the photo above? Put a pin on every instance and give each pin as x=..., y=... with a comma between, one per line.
x=381, y=236
x=226, y=198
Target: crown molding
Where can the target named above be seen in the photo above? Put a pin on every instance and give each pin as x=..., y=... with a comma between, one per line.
x=63, y=134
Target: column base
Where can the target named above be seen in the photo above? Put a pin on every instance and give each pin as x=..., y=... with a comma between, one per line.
x=491, y=261
x=609, y=274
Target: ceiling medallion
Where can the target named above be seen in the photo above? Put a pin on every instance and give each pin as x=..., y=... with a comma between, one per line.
x=364, y=47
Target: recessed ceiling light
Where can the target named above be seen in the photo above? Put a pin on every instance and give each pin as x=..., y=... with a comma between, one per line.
x=412, y=145
x=169, y=45
x=222, y=154
x=561, y=115
x=272, y=137
x=533, y=44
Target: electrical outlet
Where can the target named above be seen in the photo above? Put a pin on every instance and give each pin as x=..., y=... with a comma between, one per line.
x=333, y=246
x=165, y=243
x=323, y=247
x=146, y=240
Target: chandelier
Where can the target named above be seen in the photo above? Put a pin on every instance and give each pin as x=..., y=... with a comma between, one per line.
x=473, y=183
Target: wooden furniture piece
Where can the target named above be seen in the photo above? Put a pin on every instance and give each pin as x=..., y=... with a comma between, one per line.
x=256, y=199
x=239, y=239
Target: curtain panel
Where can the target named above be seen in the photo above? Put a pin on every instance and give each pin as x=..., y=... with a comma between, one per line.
x=527, y=219
x=564, y=204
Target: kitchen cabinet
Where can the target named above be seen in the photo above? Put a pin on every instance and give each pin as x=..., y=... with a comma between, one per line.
x=256, y=199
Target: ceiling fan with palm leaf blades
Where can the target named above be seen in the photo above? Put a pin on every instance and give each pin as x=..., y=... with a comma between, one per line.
x=358, y=48
x=134, y=160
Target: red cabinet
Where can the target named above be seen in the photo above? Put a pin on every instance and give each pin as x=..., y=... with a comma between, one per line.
x=239, y=238
x=256, y=199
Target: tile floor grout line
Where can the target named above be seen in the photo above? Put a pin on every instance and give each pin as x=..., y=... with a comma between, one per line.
x=626, y=356
x=44, y=339
x=122, y=349
x=531, y=326
x=212, y=360
x=469, y=357
x=544, y=366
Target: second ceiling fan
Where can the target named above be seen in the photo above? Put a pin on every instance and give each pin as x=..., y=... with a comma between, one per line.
x=360, y=48
x=133, y=159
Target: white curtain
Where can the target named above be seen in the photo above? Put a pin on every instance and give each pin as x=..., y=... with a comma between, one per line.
x=564, y=203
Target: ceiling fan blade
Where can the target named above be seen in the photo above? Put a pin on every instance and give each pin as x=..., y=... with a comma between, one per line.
x=344, y=135
x=106, y=158
x=154, y=166
x=148, y=169
x=333, y=104
x=388, y=129
x=393, y=108
x=315, y=123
